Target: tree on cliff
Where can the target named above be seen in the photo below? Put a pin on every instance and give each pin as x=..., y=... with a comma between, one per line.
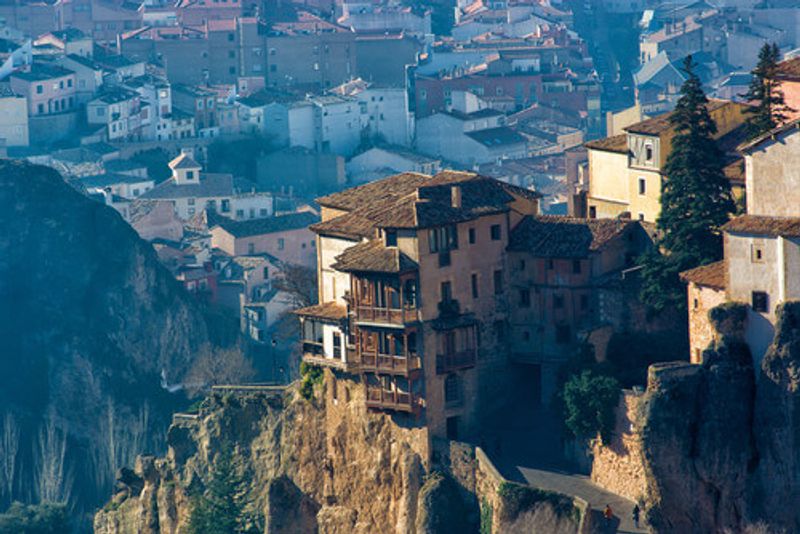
x=589, y=402
x=768, y=108
x=223, y=508
x=695, y=199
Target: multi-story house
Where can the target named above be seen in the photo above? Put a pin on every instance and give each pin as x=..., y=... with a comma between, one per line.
x=371, y=17
x=469, y=138
x=284, y=237
x=120, y=112
x=384, y=111
x=14, y=126
x=199, y=102
x=49, y=89
x=413, y=279
x=191, y=191
x=309, y=52
x=88, y=76
x=761, y=266
x=69, y=41
x=157, y=93
x=625, y=171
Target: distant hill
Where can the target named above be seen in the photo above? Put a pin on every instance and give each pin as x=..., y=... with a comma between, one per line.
x=90, y=322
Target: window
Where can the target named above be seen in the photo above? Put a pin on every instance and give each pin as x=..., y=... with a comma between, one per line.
x=251, y=248
x=495, y=232
x=472, y=236
x=695, y=304
x=391, y=238
x=648, y=152
x=337, y=345
x=443, y=238
x=265, y=273
x=69, y=83
x=550, y=265
x=641, y=216
x=498, y=282
x=252, y=213
x=190, y=175
x=273, y=68
x=558, y=301
x=281, y=243
x=240, y=214
x=576, y=266
x=190, y=201
x=39, y=89
x=262, y=212
x=446, y=292
x=524, y=298
x=592, y=212
x=225, y=206
x=756, y=254
x=231, y=70
x=452, y=389
x=231, y=37
x=474, y=282
x=40, y=108
x=444, y=258
x=563, y=334
x=760, y=301
x=642, y=186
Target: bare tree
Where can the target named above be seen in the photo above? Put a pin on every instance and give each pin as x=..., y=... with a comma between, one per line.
x=9, y=449
x=299, y=282
x=218, y=366
x=53, y=480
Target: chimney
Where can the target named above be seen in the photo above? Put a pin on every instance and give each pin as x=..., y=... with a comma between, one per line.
x=188, y=151
x=455, y=196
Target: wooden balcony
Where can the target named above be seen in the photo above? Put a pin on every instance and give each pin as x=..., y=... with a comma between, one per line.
x=382, y=399
x=314, y=354
x=453, y=361
x=390, y=363
x=378, y=315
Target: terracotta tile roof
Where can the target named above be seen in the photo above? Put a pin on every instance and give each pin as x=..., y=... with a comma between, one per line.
x=373, y=256
x=770, y=135
x=616, y=143
x=332, y=311
x=660, y=123
x=789, y=69
x=762, y=225
x=550, y=236
x=711, y=275
x=266, y=225
x=412, y=200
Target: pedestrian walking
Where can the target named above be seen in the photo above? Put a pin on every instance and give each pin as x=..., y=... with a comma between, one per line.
x=608, y=514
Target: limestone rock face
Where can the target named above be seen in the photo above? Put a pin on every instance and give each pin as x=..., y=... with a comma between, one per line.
x=310, y=470
x=89, y=322
x=721, y=441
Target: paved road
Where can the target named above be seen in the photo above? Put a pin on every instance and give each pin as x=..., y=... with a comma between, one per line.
x=530, y=452
x=580, y=486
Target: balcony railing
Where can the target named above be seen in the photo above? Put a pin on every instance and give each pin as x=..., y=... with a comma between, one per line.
x=314, y=354
x=390, y=363
x=452, y=361
x=380, y=398
x=374, y=314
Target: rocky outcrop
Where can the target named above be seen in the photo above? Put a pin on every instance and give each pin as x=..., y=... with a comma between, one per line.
x=90, y=324
x=721, y=441
x=309, y=469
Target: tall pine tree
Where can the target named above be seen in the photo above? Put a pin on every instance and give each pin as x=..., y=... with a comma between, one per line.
x=222, y=508
x=769, y=108
x=695, y=199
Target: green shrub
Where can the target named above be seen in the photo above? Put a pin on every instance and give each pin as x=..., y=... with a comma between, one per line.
x=44, y=518
x=487, y=513
x=518, y=498
x=310, y=376
x=590, y=402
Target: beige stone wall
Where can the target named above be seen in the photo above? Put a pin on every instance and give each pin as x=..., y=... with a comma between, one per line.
x=608, y=183
x=773, y=177
x=619, y=466
x=701, y=332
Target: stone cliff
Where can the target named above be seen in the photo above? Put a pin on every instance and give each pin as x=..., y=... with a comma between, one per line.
x=89, y=322
x=717, y=444
x=329, y=466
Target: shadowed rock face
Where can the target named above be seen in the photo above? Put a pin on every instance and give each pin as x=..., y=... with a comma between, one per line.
x=88, y=322
x=721, y=440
